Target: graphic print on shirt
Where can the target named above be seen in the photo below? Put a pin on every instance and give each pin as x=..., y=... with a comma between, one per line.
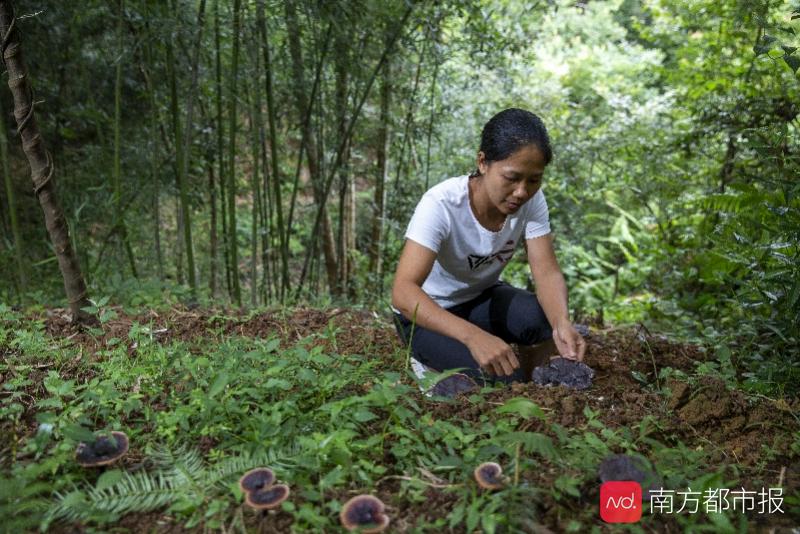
x=476, y=262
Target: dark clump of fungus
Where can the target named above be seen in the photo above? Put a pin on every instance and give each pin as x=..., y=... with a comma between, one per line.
x=629, y=468
x=105, y=449
x=453, y=385
x=256, y=479
x=564, y=372
x=267, y=498
x=489, y=475
x=260, y=490
x=365, y=513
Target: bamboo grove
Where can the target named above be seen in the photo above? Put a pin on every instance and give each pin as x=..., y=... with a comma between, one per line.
x=259, y=152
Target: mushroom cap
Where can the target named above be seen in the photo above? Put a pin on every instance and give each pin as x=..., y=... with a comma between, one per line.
x=257, y=479
x=489, y=475
x=103, y=451
x=453, y=385
x=366, y=513
x=267, y=498
x=564, y=372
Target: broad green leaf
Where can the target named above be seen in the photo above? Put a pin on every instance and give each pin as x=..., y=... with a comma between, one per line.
x=76, y=432
x=793, y=62
x=219, y=384
x=523, y=407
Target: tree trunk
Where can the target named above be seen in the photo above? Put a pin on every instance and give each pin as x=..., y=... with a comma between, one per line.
x=181, y=156
x=381, y=149
x=121, y=227
x=186, y=150
x=430, y=127
x=261, y=212
x=345, y=228
x=212, y=200
x=220, y=128
x=42, y=170
x=154, y=167
x=273, y=150
x=22, y=280
x=255, y=191
x=234, y=253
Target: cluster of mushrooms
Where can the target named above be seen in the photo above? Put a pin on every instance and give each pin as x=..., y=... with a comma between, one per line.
x=364, y=512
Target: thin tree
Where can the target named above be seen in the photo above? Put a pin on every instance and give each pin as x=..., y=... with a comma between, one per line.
x=116, y=177
x=382, y=168
x=186, y=149
x=345, y=239
x=273, y=150
x=343, y=142
x=220, y=129
x=182, y=144
x=302, y=102
x=22, y=279
x=255, y=184
x=231, y=192
x=154, y=166
x=41, y=163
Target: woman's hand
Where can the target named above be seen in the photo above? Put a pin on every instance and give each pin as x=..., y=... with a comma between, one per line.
x=569, y=342
x=492, y=353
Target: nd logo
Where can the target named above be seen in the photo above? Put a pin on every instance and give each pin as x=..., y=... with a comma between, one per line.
x=621, y=501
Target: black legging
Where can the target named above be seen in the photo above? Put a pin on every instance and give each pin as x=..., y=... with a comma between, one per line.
x=512, y=314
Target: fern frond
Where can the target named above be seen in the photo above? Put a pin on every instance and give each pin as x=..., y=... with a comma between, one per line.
x=179, y=474
x=138, y=492
x=182, y=464
x=235, y=466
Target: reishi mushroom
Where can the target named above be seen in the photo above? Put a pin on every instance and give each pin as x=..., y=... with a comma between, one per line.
x=103, y=450
x=256, y=479
x=267, y=498
x=453, y=385
x=261, y=492
x=489, y=475
x=366, y=513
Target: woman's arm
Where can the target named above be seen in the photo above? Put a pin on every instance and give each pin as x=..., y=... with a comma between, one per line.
x=414, y=266
x=551, y=290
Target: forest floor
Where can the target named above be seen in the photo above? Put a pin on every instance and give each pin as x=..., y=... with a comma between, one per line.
x=331, y=386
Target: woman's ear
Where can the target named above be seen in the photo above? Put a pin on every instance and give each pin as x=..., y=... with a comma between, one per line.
x=483, y=166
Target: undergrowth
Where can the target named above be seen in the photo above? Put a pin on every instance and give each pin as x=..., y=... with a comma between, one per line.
x=200, y=413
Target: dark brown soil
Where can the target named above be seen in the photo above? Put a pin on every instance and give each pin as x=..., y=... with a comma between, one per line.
x=735, y=428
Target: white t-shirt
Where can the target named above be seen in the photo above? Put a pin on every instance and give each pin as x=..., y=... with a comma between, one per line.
x=469, y=258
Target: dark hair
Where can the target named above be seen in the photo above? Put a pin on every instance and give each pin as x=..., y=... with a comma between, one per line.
x=510, y=130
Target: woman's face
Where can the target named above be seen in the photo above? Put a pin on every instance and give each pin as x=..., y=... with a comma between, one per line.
x=511, y=182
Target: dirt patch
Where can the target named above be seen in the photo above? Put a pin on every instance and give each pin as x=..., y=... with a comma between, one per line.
x=352, y=331
x=741, y=428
